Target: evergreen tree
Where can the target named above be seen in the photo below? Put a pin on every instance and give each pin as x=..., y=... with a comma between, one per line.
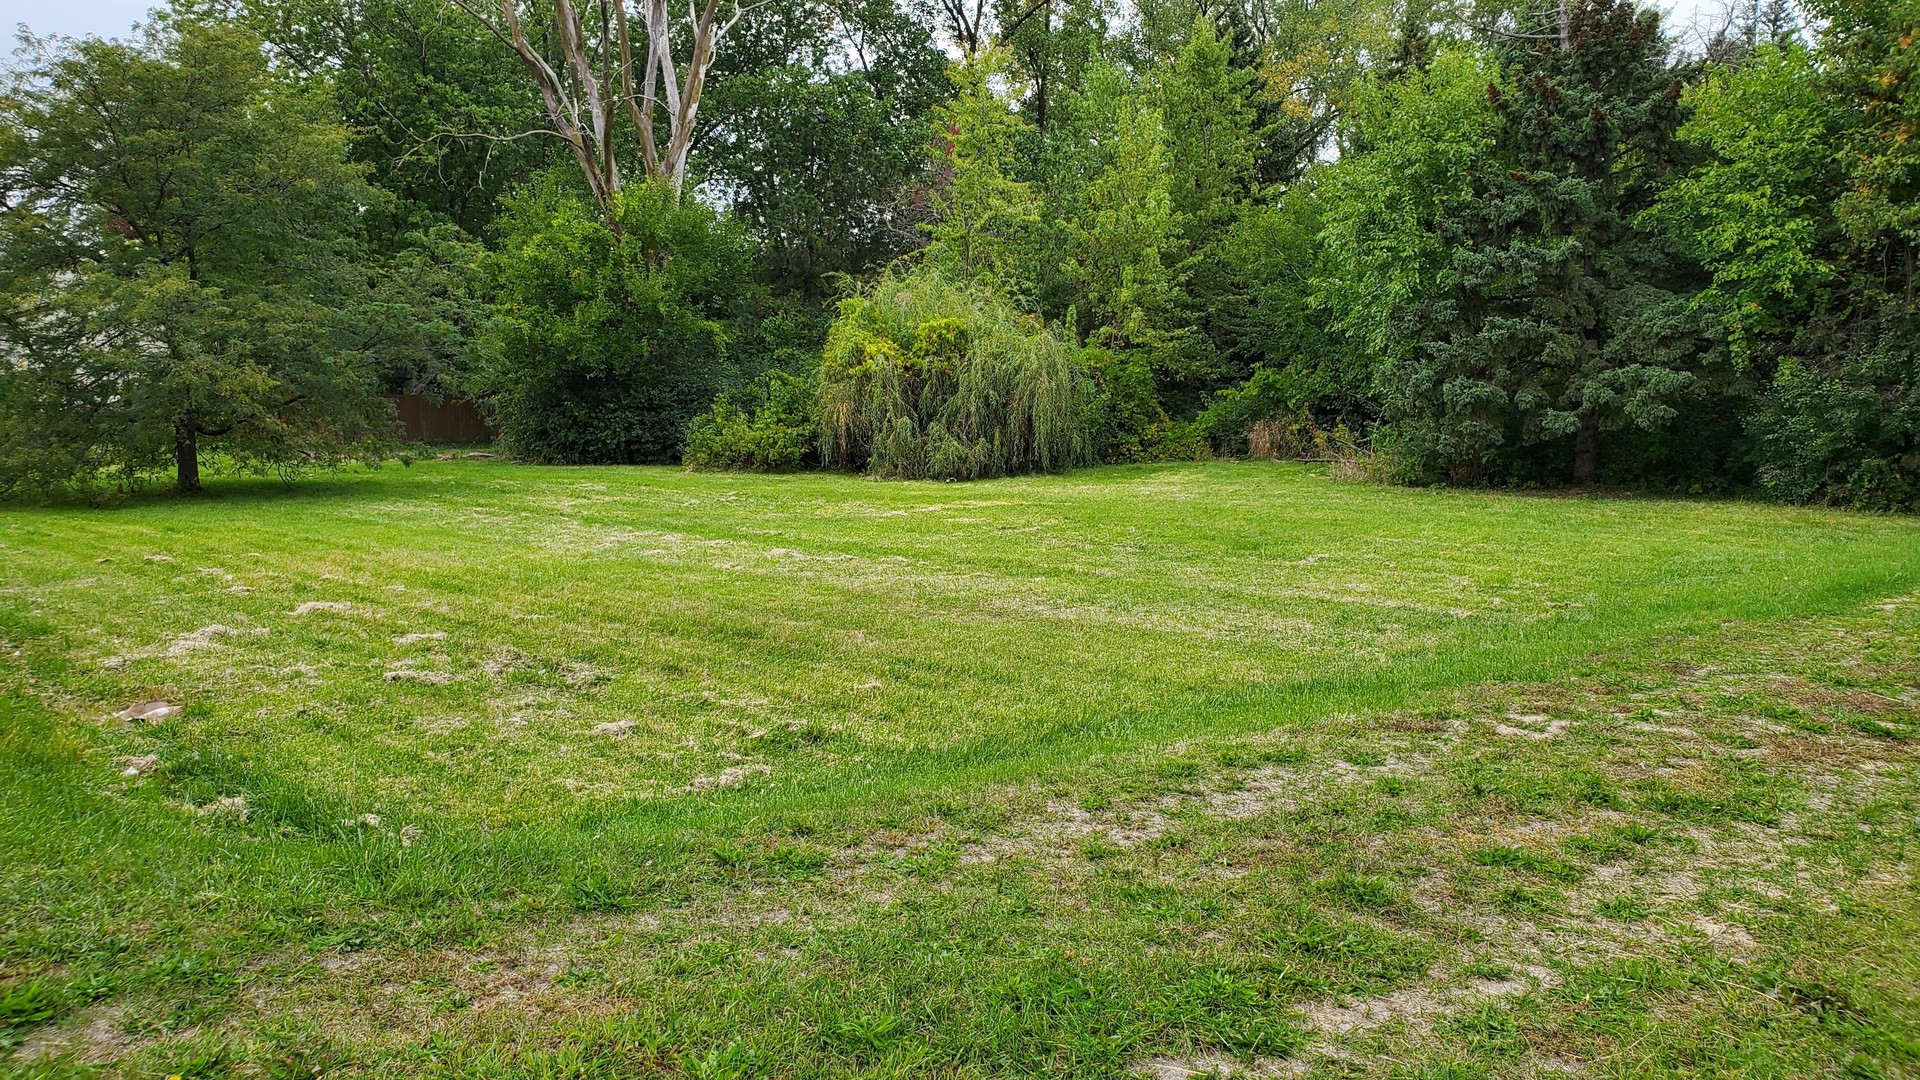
x=1206, y=100
x=1561, y=316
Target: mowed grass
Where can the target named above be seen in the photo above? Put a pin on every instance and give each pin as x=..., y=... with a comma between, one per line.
x=487, y=770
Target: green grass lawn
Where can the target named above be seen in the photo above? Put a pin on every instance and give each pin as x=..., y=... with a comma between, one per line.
x=485, y=770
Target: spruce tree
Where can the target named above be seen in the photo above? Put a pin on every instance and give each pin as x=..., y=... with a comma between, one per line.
x=1561, y=316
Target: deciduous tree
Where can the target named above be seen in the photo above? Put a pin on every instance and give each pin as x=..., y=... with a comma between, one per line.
x=178, y=265
x=986, y=222
x=594, y=84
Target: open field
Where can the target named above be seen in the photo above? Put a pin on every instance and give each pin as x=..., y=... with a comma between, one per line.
x=497, y=771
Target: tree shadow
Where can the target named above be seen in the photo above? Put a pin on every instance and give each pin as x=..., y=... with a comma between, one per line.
x=316, y=487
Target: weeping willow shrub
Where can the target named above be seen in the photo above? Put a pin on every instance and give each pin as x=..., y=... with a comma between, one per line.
x=927, y=378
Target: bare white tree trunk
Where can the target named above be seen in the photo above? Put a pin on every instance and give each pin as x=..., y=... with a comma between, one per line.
x=587, y=87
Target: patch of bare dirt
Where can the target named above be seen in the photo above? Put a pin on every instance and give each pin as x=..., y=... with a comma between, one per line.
x=1065, y=821
x=93, y=1038
x=233, y=806
x=406, y=672
x=1217, y=1065
x=1418, y=1007
x=1532, y=726
x=203, y=638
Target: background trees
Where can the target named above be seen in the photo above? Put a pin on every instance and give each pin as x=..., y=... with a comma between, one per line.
x=1804, y=214
x=430, y=107
x=1523, y=243
x=816, y=125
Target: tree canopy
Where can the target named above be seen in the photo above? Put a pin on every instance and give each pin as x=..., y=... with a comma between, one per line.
x=1521, y=242
x=180, y=248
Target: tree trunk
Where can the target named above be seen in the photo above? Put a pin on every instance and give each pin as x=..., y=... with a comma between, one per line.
x=186, y=459
x=1586, y=450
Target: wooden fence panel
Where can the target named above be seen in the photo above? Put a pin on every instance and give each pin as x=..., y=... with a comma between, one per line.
x=448, y=421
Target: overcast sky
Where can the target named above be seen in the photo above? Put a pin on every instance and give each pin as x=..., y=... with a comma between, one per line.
x=109, y=18
x=106, y=18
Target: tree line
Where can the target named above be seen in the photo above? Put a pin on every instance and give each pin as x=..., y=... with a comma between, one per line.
x=1498, y=242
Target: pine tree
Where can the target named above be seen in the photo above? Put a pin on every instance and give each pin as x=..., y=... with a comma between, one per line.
x=1561, y=315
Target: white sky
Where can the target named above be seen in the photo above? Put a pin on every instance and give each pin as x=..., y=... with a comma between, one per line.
x=110, y=18
x=105, y=18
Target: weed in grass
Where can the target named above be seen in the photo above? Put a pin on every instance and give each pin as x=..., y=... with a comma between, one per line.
x=597, y=891
x=24, y=1004
x=1515, y=858
x=1360, y=891
x=1624, y=908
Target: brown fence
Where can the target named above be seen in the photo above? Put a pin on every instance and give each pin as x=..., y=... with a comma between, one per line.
x=448, y=421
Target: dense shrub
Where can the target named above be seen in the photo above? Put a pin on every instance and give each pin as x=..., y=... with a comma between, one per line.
x=927, y=378
x=1230, y=417
x=1127, y=421
x=769, y=426
x=611, y=336
x=1845, y=429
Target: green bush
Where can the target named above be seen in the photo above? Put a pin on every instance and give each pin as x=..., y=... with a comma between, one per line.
x=610, y=340
x=1127, y=421
x=927, y=378
x=1844, y=430
x=768, y=427
x=1270, y=392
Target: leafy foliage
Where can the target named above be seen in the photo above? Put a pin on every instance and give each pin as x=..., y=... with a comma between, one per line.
x=609, y=341
x=181, y=267
x=812, y=155
x=1845, y=430
x=1127, y=421
x=1426, y=138
x=1812, y=252
x=986, y=224
x=768, y=427
x=1755, y=213
x=1207, y=99
x=1126, y=250
x=926, y=377
x=1519, y=244
x=424, y=91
